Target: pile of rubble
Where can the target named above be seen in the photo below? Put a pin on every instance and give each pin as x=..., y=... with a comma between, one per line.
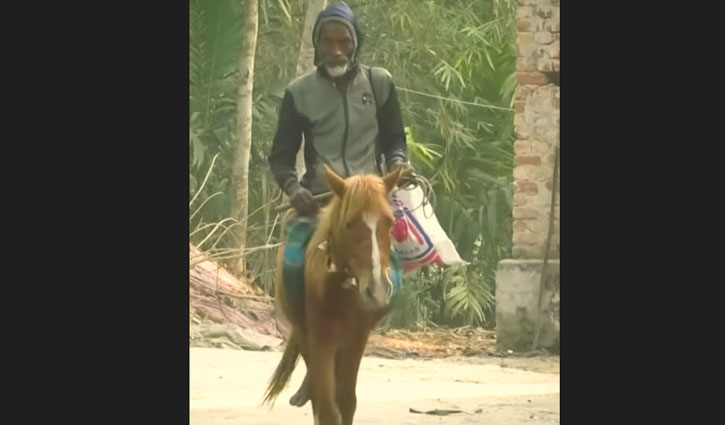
x=226, y=312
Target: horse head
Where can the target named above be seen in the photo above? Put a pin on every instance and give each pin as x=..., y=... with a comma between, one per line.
x=360, y=220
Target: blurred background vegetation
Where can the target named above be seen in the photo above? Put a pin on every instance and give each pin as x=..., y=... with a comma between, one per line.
x=454, y=64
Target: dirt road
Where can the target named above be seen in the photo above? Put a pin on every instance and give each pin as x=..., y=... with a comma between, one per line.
x=226, y=387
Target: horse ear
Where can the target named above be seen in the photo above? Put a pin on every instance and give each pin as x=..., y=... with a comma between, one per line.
x=337, y=184
x=391, y=180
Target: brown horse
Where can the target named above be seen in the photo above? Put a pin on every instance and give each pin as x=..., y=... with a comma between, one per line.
x=347, y=291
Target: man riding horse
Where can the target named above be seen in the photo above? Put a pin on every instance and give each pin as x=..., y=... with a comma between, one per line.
x=352, y=125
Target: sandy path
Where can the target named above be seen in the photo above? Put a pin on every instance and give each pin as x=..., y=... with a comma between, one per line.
x=226, y=387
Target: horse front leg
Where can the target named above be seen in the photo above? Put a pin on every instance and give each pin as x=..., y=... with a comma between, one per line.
x=348, y=366
x=322, y=369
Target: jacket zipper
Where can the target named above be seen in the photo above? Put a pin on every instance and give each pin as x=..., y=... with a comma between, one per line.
x=347, y=123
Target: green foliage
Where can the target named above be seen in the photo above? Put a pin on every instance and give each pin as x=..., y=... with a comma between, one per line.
x=459, y=52
x=215, y=34
x=456, y=51
x=215, y=38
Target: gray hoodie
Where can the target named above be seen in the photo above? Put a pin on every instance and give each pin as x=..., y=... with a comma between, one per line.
x=352, y=132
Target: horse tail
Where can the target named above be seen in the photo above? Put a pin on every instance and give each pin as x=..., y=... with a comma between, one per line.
x=284, y=371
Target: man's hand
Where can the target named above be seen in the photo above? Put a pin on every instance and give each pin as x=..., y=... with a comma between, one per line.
x=302, y=200
x=407, y=177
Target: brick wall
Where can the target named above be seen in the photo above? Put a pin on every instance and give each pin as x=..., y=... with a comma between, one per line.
x=536, y=127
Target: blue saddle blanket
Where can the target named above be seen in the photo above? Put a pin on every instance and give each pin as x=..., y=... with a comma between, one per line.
x=299, y=231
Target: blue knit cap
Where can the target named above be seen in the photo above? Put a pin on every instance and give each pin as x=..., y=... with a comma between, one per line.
x=340, y=13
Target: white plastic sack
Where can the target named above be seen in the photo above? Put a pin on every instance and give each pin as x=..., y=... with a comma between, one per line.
x=417, y=236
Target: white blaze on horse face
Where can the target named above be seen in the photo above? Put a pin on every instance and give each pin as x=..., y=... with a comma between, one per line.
x=372, y=221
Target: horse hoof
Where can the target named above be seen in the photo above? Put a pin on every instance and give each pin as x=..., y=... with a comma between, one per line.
x=298, y=400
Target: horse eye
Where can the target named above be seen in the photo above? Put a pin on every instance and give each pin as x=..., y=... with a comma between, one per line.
x=353, y=221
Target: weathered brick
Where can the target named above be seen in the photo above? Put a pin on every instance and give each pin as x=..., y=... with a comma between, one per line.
x=520, y=106
x=527, y=187
x=520, y=226
x=549, y=184
x=543, y=120
x=521, y=199
x=532, y=173
x=532, y=24
x=525, y=251
x=532, y=78
x=543, y=37
x=522, y=92
x=536, y=228
x=526, y=64
x=523, y=172
x=544, y=12
x=545, y=64
x=547, y=12
x=525, y=24
x=519, y=252
x=557, y=36
x=548, y=160
x=541, y=99
x=530, y=115
x=540, y=174
x=552, y=50
x=541, y=147
x=539, y=226
x=525, y=11
x=551, y=25
x=547, y=134
x=522, y=147
x=524, y=38
x=519, y=213
x=526, y=160
x=525, y=238
x=529, y=50
x=522, y=130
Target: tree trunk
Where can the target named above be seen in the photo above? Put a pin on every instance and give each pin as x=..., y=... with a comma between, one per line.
x=305, y=61
x=240, y=171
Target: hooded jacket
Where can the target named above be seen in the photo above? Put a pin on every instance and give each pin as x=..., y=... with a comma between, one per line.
x=354, y=132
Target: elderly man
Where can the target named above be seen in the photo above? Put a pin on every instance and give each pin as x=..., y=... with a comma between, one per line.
x=348, y=112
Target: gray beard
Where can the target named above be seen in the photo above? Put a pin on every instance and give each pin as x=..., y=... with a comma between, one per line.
x=337, y=71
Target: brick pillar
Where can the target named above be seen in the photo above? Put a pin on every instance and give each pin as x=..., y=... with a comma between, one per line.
x=536, y=127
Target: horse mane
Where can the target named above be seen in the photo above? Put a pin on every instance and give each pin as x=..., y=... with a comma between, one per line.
x=362, y=193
